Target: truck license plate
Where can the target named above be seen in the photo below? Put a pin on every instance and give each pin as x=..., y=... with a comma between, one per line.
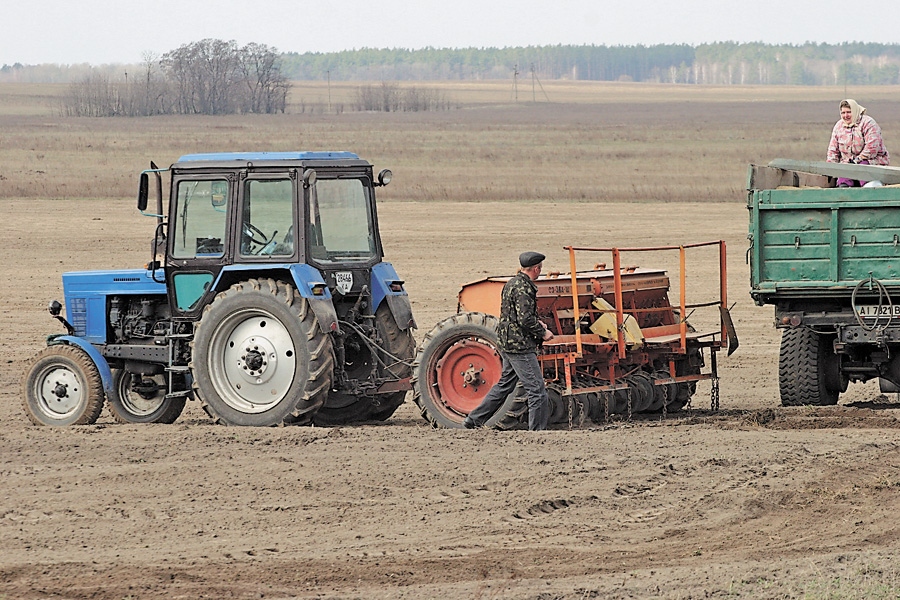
x=871, y=311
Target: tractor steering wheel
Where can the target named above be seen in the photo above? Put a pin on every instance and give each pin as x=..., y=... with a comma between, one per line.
x=250, y=233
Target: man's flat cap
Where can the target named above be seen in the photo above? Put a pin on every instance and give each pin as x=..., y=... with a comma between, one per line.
x=529, y=259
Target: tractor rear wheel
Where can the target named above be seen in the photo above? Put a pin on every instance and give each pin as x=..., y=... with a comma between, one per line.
x=394, y=363
x=808, y=369
x=456, y=365
x=259, y=357
x=63, y=387
x=142, y=399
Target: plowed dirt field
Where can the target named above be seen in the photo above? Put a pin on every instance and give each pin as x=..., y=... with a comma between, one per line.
x=754, y=500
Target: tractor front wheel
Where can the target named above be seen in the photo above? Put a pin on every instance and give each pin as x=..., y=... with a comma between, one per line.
x=142, y=399
x=455, y=367
x=63, y=387
x=259, y=357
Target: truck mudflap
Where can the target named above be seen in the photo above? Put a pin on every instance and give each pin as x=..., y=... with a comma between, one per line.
x=93, y=352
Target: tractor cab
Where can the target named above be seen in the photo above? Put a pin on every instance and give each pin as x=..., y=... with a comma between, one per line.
x=259, y=210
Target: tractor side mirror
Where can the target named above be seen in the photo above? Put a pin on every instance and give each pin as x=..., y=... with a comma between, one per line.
x=219, y=193
x=309, y=177
x=143, y=191
x=384, y=177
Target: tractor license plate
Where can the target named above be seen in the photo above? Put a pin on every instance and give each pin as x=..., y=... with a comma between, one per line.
x=343, y=280
x=872, y=311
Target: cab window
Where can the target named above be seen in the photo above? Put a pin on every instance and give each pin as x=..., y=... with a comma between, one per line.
x=199, y=223
x=267, y=219
x=340, y=222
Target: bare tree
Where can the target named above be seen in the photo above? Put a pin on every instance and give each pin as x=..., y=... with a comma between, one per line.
x=264, y=85
x=211, y=77
x=204, y=75
x=92, y=96
x=389, y=97
x=150, y=90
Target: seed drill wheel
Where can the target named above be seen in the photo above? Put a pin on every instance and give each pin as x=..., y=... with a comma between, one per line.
x=142, y=399
x=671, y=391
x=643, y=394
x=63, y=387
x=808, y=369
x=559, y=406
x=685, y=390
x=259, y=357
x=342, y=407
x=455, y=367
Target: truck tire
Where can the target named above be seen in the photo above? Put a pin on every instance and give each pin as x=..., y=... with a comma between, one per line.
x=805, y=363
x=341, y=408
x=460, y=346
x=143, y=400
x=259, y=357
x=62, y=387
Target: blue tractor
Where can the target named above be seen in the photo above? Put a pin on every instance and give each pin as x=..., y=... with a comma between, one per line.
x=266, y=299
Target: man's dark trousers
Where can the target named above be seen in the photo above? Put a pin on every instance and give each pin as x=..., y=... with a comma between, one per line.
x=516, y=367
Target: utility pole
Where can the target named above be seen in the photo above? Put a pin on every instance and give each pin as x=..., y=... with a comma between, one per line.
x=516, y=82
x=533, y=98
x=329, y=89
x=534, y=78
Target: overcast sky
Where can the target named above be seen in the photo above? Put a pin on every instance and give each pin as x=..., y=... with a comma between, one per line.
x=123, y=31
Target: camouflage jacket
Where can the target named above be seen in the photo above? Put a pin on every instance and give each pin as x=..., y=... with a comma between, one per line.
x=520, y=332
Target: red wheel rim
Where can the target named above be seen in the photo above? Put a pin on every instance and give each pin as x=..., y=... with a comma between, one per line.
x=467, y=369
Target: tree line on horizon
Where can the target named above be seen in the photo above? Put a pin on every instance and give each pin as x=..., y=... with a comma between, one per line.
x=721, y=63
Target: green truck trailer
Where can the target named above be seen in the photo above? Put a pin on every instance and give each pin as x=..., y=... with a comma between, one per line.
x=828, y=259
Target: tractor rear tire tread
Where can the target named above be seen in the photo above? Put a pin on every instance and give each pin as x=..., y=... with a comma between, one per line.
x=396, y=341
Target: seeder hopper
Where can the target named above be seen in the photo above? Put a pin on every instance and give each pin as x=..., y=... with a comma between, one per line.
x=620, y=346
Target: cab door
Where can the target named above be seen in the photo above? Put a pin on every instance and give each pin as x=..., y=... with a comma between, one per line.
x=267, y=220
x=199, y=228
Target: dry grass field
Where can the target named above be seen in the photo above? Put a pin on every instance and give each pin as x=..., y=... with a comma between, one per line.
x=594, y=142
x=755, y=501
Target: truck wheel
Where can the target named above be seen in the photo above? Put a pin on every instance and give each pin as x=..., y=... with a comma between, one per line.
x=341, y=407
x=142, y=399
x=259, y=357
x=808, y=370
x=455, y=367
x=63, y=387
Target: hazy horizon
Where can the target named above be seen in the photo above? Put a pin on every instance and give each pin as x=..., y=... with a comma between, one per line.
x=101, y=32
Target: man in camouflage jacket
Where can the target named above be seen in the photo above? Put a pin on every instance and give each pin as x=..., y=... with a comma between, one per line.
x=518, y=337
